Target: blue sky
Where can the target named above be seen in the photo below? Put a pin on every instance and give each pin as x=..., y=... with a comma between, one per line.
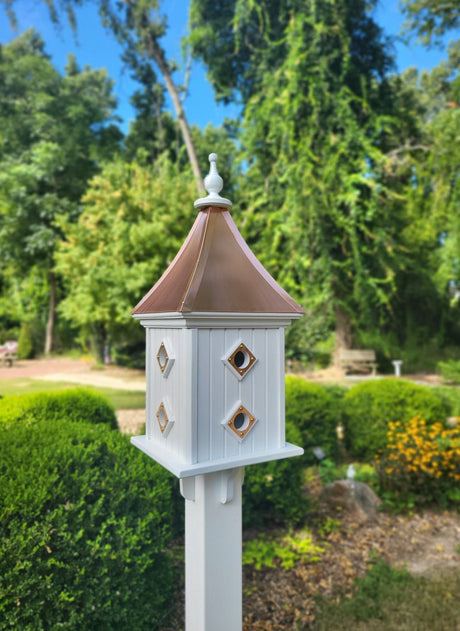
x=98, y=48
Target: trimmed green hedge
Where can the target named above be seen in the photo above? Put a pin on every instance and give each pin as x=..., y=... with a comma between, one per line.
x=316, y=411
x=369, y=406
x=272, y=492
x=84, y=522
x=76, y=404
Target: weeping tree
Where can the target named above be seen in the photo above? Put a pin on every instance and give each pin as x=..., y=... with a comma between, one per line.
x=316, y=135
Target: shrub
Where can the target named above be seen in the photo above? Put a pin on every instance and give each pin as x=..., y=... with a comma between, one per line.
x=272, y=492
x=76, y=404
x=421, y=464
x=283, y=550
x=450, y=397
x=450, y=370
x=315, y=411
x=369, y=407
x=84, y=521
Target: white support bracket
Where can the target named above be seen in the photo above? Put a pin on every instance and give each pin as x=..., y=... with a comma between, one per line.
x=228, y=479
x=187, y=488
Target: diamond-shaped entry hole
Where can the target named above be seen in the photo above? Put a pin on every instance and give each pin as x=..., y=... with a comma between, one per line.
x=242, y=359
x=162, y=357
x=162, y=417
x=241, y=422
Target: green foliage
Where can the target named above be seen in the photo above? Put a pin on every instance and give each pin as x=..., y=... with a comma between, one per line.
x=450, y=370
x=380, y=583
x=25, y=344
x=328, y=472
x=392, y=599
x=134, y=221
x=54, y=130
x=451, y=397
x=430, y=19
x=76, y=405
x=282, y=550
x=272, y=492
x=370, y=406
x=84, y=522
x=315, y=411
x=318, y=212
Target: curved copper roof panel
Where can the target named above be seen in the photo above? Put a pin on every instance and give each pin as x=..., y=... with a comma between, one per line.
x=215, y=271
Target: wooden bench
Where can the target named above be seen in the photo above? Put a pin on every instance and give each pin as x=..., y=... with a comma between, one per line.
x=358, y=360
x=8, y=353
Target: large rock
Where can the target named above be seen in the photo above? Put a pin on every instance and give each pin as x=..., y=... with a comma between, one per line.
x=356, y=498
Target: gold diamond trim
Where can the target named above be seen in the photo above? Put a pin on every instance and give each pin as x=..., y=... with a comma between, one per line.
x=162, y=357
x=241, y=426
x=242, y=352
x=162, y=417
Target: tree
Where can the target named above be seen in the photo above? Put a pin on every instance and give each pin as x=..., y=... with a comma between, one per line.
x=435, y=189
x=134, y=222
x=153, y=131
x=252, y=39
x=54, y=131
x=138, y=26
x=430, y=19
x=316, y=133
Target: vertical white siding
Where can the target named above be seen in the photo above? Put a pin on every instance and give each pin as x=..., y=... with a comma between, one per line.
x=148, y=394
x=231, y=446
x=219, y=392
x=173, y=391
x=200, y=392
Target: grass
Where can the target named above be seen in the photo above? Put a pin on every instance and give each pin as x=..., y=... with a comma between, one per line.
x=120, y=399
x=389, y=600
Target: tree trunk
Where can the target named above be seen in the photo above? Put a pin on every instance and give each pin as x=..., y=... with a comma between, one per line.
x=157, y=54
x=51, y=314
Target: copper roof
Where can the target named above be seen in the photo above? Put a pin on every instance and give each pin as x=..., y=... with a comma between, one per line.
x=215, y=271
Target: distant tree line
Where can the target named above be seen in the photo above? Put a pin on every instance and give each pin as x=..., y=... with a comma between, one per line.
x=344, y=174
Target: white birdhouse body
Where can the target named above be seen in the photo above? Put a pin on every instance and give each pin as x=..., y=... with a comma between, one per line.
x=215, y=392
x=215, y=326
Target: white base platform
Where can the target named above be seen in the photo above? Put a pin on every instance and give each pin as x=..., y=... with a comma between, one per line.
x=185, y=470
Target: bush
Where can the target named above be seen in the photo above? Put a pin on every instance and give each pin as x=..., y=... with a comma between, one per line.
x=421, y=464
x=84, y=521
x=450, y=397
x=369, y=407
x=450, y=370
x=316, y=412
x=272, y=492
x=76, y=404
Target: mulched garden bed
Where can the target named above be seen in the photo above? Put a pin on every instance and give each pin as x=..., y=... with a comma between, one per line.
x=275, y=599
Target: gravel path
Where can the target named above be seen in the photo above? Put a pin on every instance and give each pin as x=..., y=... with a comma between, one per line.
x=83, y=371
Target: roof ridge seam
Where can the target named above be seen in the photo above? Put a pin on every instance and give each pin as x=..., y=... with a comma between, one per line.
x=197, y=262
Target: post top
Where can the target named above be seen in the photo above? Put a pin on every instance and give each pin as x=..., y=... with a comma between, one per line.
x=213, y=184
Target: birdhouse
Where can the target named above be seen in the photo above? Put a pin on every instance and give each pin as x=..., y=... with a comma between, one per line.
x=215, y=325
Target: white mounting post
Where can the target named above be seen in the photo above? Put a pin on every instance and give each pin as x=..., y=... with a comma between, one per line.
x=213, y=540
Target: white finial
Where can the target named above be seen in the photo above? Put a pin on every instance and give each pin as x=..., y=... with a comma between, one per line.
x=213, y=184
